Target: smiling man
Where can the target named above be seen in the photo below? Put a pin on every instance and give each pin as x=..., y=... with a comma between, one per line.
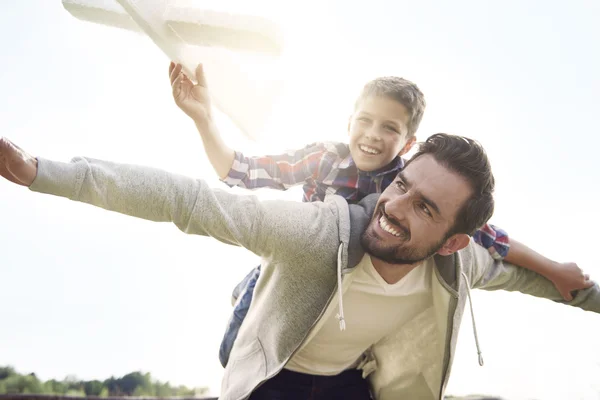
x=375, y=290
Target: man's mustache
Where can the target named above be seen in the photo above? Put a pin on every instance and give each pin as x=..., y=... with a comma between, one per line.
x=397, y=224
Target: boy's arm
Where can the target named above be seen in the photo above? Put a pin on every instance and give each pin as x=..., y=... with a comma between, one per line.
x=219, y=154
x=265, y=228
x=276, y=172
x=494, y=239
x=491, y=274
x=280, y=171
x=567, y=277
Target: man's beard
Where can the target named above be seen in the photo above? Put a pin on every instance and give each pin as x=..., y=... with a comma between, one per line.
x=398, y=254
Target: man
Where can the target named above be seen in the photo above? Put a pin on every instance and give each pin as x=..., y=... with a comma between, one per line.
x=376, y=289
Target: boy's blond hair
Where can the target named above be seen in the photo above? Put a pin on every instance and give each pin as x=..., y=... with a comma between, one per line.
x=401, y=90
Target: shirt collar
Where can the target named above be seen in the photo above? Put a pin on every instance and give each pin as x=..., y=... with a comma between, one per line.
x=347, y=162
x=395, y=166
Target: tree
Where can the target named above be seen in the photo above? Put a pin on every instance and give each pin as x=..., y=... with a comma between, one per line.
x=17, y=384
x=134, y=380
x=93, y=388
x=55, y=387
x=134, y=383
x=112, y=386
x=5, y=372
x=162, y=389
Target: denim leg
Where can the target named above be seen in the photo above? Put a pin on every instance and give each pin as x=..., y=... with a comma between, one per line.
x=242, y=285
x=243, y=294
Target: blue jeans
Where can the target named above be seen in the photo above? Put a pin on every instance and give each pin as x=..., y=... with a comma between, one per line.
x=243, y=294
x=289, y=385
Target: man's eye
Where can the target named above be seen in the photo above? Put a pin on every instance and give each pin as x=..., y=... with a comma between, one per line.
x=425, y=209
x=401, y=186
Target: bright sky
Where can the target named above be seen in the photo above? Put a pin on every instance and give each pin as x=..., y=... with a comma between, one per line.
x=96, y=294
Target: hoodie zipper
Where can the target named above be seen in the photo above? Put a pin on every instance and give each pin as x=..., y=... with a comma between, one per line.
x=301, y=343
x=446, y=363
x=337, y=287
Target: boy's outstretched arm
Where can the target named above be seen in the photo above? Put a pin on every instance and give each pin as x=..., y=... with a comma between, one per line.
x=194, y=100
x=488, y=273
x=567, y=277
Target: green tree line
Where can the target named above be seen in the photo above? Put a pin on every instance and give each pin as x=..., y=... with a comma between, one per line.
x=132, y=384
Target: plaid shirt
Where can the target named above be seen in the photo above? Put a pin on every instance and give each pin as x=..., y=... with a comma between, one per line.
x=328, y=168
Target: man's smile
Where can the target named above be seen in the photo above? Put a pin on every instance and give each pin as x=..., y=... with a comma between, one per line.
x=391, y=227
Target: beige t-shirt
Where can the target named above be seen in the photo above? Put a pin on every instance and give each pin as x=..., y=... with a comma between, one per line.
x=372, y=309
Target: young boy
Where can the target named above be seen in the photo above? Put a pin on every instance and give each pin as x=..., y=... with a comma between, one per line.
x=381, y=129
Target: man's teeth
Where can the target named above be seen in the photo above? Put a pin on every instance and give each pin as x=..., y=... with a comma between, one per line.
x=387, y=227
x=368, y=149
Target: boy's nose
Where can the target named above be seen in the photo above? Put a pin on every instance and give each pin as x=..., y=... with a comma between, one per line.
x=371, y=135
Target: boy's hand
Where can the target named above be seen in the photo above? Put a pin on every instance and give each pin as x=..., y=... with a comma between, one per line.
x=192, y=98
x=16, y=165
x=568, y=277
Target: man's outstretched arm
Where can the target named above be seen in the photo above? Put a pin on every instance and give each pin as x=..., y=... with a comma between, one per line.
x=152, y=194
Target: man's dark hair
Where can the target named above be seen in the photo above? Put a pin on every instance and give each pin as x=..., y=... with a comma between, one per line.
x=401, y=90
x=467, y=158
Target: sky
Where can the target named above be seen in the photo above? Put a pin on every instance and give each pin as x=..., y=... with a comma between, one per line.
x=90, y=293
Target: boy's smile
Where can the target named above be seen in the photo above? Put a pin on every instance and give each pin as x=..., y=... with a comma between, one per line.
x=378, y=132
x=368, y=149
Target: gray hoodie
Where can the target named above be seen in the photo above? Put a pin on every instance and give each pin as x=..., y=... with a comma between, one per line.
x=309, y=251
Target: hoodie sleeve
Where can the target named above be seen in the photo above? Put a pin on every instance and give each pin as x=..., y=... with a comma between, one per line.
x=151, y=194
x=489, y=274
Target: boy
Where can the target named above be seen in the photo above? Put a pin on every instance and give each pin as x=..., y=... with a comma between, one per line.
x=382, y=128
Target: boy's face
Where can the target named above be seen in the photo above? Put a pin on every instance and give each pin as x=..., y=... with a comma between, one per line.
x=378, y=132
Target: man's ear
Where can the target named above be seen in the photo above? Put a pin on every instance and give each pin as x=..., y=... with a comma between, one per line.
x=454, y=243
x=411, y=142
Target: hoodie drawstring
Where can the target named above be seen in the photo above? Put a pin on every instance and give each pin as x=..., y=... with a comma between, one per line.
x=479, y=353
x=340, y=315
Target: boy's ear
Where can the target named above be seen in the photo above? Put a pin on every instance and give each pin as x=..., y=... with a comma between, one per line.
x=349, y=123
x=411, y=142
x=454, y=243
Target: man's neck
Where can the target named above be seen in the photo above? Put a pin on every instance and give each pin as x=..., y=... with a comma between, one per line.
x=392, y=273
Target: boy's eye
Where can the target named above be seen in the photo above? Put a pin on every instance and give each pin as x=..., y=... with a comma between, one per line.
x=391, y=128
x=363, y=119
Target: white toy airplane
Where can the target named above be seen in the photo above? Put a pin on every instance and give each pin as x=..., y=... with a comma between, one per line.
x=228, y=45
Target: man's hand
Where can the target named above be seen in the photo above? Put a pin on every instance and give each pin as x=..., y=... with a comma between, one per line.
x=16, y=165
x=568, y=277
x=193, y=99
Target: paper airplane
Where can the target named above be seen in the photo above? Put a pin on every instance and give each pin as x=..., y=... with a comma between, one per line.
x=240, y=53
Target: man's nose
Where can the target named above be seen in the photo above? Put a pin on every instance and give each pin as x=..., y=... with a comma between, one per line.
x=397, y=207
